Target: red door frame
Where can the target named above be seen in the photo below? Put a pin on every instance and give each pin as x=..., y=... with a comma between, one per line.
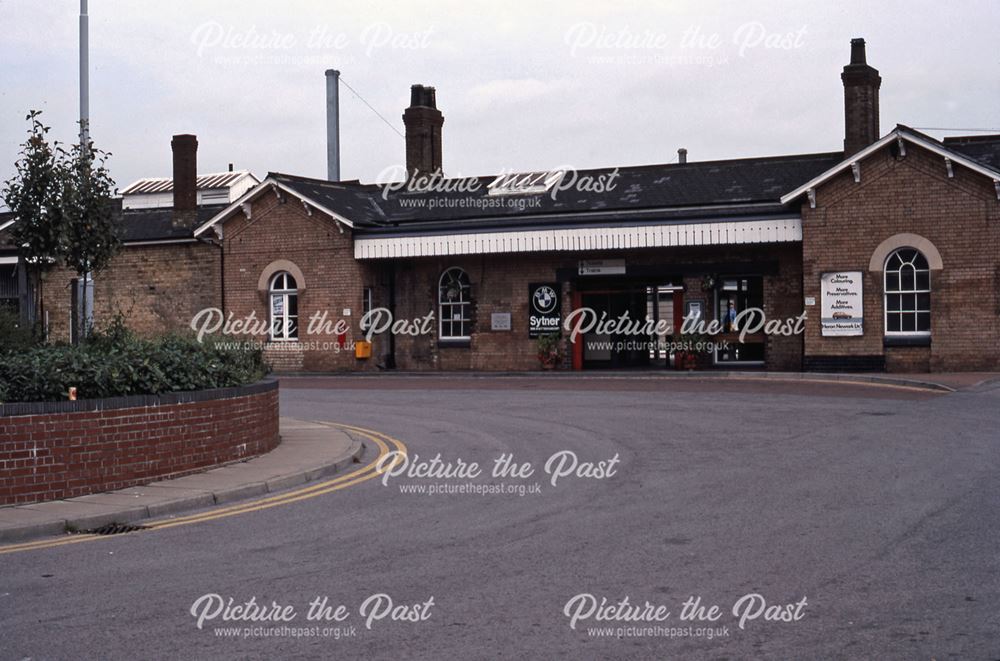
x=678, y=312
x=578, y=343
x=678, y=300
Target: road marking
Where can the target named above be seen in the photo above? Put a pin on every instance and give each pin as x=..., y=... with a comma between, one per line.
x=873, y=384
x=382, y=441
x=930, y=387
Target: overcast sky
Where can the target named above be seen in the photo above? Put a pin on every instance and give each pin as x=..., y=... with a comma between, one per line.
x=522, y=85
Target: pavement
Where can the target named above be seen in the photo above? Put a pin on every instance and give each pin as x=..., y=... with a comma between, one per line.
x=307, y=452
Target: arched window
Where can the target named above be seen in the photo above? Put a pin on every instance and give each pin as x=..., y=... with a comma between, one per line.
x=907, y=293
x=284, y=296
x=454, y=305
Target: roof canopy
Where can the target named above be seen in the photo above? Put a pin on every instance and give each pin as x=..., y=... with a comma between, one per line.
x=204, y=182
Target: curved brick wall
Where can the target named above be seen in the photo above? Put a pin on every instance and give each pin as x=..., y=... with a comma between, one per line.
x=64, y=449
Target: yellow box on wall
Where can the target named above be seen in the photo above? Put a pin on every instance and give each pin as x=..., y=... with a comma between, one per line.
x=362, y=349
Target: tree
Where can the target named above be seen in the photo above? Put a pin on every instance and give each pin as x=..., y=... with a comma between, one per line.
x=90, y=233
x=32, y=195
x=62, y=206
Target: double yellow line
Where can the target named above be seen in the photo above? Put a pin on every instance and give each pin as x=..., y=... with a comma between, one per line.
x=383, y=442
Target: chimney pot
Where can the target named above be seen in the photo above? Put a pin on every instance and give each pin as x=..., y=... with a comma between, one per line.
x=682, y=155
x=185, y=150
x=858, y=51
x=230, y=167
x=423, y=96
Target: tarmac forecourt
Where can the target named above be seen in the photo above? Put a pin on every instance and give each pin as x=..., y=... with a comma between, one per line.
x=385, y=444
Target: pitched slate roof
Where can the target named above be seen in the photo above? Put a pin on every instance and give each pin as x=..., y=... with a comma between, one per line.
x=982, y=148
x=137, y=224
x=739, y=188
x=750, y=186
x=351, y=199
x=157, y=224
x=905, y=133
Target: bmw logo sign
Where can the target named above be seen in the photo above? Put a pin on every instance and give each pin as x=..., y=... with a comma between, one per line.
x=545, y=299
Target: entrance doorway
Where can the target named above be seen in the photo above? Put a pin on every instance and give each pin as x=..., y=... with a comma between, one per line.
x=622, y=350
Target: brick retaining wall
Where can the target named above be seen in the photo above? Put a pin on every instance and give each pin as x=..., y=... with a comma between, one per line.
x=56, y=450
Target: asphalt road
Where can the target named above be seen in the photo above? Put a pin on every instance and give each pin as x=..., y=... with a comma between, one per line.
x=877, y=506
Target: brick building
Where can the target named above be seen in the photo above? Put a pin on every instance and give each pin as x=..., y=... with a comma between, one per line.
x=164, y=275
x=884, y=255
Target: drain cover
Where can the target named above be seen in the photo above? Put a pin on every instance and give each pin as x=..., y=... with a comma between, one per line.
x=111, y=529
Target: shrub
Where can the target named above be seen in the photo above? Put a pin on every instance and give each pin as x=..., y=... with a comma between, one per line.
x=115, y=363
x=14, y=337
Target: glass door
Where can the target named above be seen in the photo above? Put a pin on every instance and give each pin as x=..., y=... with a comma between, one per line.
x=733, y=295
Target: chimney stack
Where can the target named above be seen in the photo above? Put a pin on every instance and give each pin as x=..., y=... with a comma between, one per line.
x=861, y=85
x=185, y=148
x=423, y=131
x=682, y=155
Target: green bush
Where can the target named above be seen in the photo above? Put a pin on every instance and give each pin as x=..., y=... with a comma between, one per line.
x=114, y=363
x=14, y=337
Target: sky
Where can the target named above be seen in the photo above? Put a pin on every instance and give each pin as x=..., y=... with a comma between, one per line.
x=522, y=85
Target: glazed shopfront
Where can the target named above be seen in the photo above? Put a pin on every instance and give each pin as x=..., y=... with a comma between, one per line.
x=666, y=308
x=645, y=319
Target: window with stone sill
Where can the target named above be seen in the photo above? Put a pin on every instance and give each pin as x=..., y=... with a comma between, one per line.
x=454, y=305
x=284, y=307
x=907, y=294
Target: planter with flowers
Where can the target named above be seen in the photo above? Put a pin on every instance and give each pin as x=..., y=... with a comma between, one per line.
x=696, y=354
x=549, y=354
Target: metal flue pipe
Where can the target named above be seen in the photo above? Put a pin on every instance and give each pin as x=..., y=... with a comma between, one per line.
x=84, y=74
x=333, y=125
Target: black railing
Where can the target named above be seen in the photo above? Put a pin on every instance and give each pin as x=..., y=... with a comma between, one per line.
x=8, y=282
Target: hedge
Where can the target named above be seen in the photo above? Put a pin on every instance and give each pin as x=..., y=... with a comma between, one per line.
x=118, y=364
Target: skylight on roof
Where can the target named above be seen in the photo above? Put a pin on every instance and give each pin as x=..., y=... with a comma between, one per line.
x=525, y=183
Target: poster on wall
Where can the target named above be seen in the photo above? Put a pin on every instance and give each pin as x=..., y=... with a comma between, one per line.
x=500, y=321
x=841, y=300
x=544, y=308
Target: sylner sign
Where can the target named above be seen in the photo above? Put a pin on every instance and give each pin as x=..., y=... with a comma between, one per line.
x=544, y=308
